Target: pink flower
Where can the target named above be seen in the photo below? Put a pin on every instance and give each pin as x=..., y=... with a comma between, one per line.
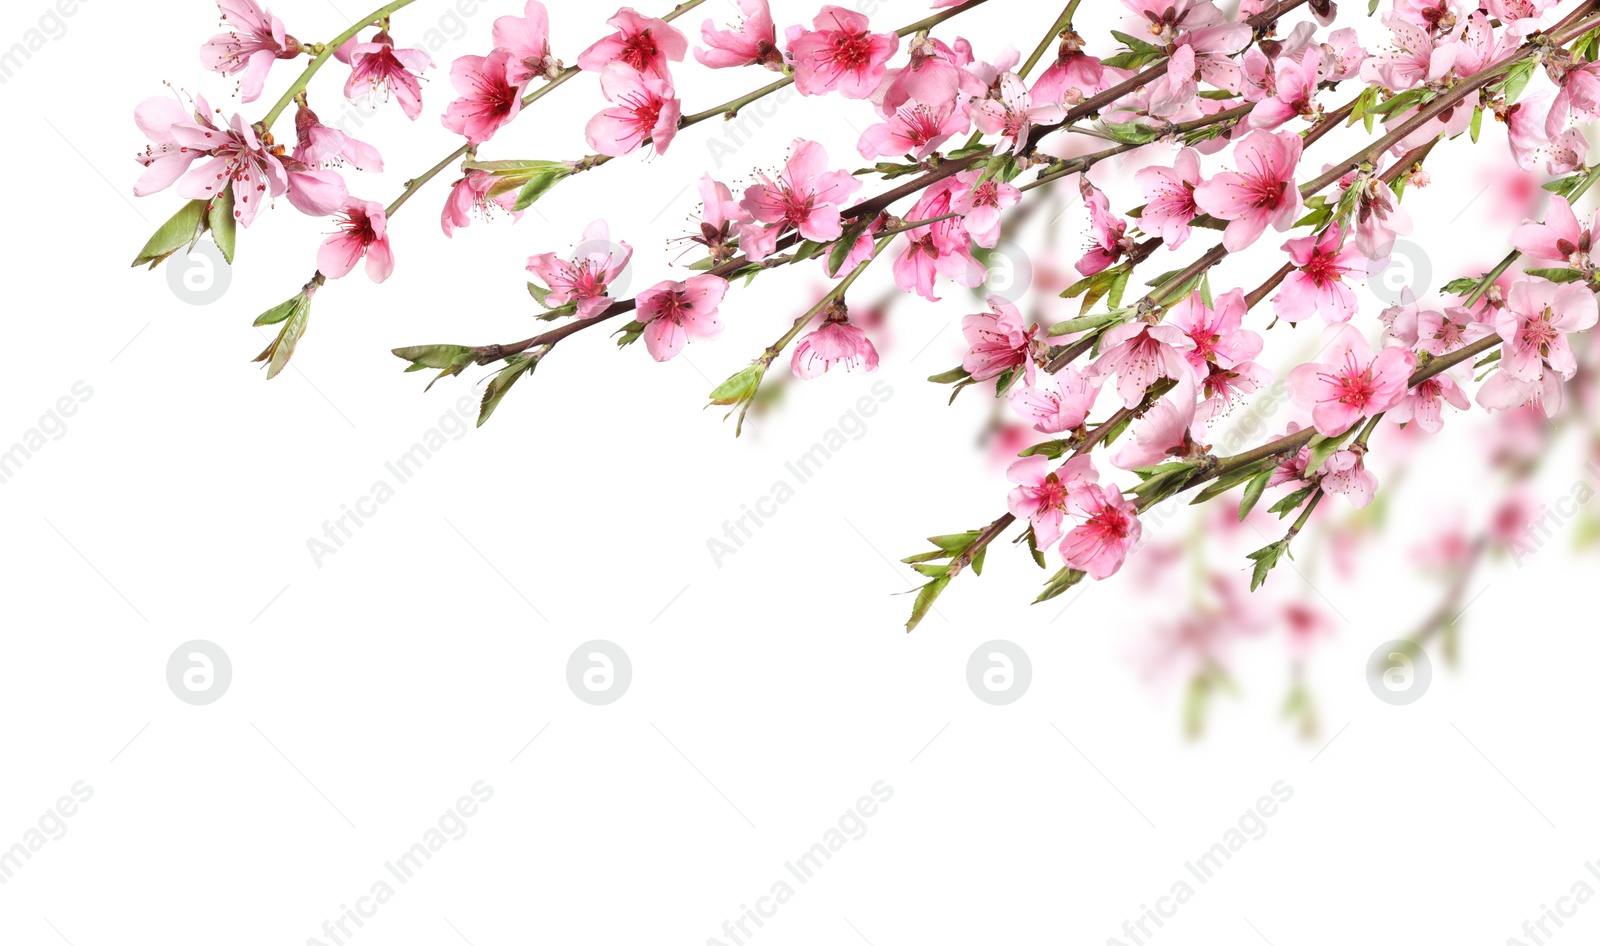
x=1041, y=495
x=915, y=129
x=645, y=110
x=673, y=312
x=1346, y=474
x=1416, y=59
x=377, y=67
x=1168, y=19
x=997, y=342
x=837, y=342
x=1424, y=404
x=1317, y=283
x=317, y=193
x=471, y=195
x=1353, y=384
x=165, y=159
x=527, y=38
x=1439, y=333
x=839, y=54
x=1169, y=195
x=1108, y=529
x=1535, y=323
x=237, y=159
x=1296, y=84
x=255, y=38
x=806, y=196
x=1140, y=354
x=643, y=42
x=980, y=205
x=1013, y=114
x=1559, y=238
x=1214, y=47
x=319, y=146
x=1263, y=193
x=1057, y=402
x=719, y=215
x=1530, y=145
x=1073, y=77
x=585, y=279
x=1174, y=92
x=1292, y=469
x=1216, y=335
x=361, y=234
x=754, y=43
x=1579, y=90
x=1165, y=432
x=936, y=73
x=488, y=98
x=942, y=248
x=1343, y=47
x=1108, y=233
x=1379, y=217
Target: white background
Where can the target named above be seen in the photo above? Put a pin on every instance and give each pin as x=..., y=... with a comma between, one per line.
x=371, y=691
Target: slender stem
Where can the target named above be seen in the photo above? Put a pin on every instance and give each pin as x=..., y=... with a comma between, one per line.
x=732, y=106
x=416, y=183
x=316, y=64
x=1063, y=22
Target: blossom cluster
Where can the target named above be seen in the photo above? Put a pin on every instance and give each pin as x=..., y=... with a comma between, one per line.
x=1226, y=110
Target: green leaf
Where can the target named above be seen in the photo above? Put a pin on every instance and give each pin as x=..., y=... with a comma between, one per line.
x=224, y=226
x=500, y=384
x=741, y=387
x=1051, y=449
x=926, y=596
x=1266, y=560
x=1131, y=133
x=448, y=360
x=845, y=243
x=539, y=185
x=1477, y=123
x=950, y=377
x=1293, y=501
x=1556, y=275
x=183, y=229
x=1059, y=583
x=277, y=354
x=1459, y=287
x=280, y=311
x=1253, y=492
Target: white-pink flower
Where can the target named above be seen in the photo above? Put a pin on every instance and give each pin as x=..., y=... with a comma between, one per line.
x=1057, y=402
x=997, y=342
x=1534, y=324
x=1140, y=354
x=754, y=43
x=644, y=108
x=470, y=196
x=527, y=38
x=1261, y=194
x=837, y=342
x=840, y=54
x=674, y=312
x=1559, y=238
x=1165, y=432
x=585, y=279
x=1013, y=114
x=1108, y=530
x=915, y=129
x=1042, y=494
x=378, y=68
x=643, y=42
x=488, y=97
x=255, y=39
x=1352, y=384
x=362, y=233
x=1169, y=197
x=806, y=196
x=980, y=205
x=1317, y=283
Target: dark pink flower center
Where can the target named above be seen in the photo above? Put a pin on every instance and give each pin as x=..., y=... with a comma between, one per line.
x=639, y=50
x=1354, y=386
x=1324, y=269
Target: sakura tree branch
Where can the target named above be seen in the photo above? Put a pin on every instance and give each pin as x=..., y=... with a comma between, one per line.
x=326, y=52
